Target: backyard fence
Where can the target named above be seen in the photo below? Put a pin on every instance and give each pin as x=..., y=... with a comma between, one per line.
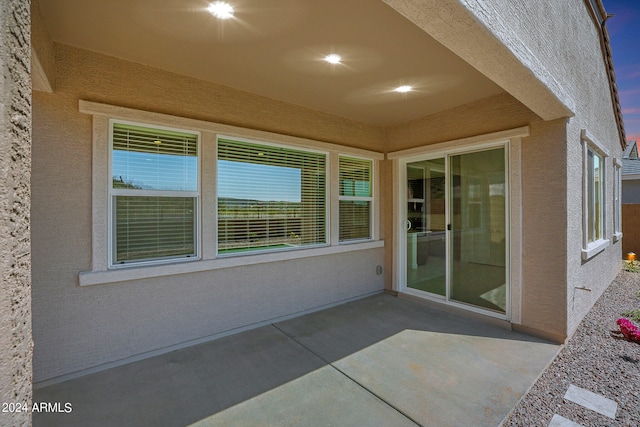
x=630, y=228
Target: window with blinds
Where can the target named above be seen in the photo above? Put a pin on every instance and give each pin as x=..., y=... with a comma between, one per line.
x=154, y=193
x=355, y=198
x=269, y=197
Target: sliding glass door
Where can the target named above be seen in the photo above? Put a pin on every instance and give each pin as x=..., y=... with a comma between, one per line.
x=478, y=229
x=426, y=226
x=457, y=229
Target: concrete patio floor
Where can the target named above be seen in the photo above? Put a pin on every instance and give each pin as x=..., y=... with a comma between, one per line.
x=379, y=361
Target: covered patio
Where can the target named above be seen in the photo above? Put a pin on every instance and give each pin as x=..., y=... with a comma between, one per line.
x=377, y=361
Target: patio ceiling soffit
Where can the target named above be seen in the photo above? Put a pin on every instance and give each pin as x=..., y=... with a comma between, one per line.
x=484, y=41
x=42, y=57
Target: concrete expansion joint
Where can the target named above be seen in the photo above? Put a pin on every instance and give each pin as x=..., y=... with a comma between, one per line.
x=336, y=368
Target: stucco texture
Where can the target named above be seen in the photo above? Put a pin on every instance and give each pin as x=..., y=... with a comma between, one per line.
x=16, y=345
x=563, y=53
x=574, y=57
x=555, y=85
x=543, y=189
x=83, y=327
x=544, y=228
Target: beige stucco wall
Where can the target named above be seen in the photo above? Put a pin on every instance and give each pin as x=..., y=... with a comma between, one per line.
x=16, y=345
x=575, y=59
x=43, y=65
x=488, y=115
x=544, y=233
x=485, y=116
x=82, y=327
x=99, y=78
x=543, y=164
x=568, y=66
x=486, y=34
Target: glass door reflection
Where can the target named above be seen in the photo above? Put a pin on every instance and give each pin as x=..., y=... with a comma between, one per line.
x=479, y=229
x=426, y=224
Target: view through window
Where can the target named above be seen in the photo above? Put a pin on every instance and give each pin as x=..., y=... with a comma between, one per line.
x=269, y=197
x=154, y=193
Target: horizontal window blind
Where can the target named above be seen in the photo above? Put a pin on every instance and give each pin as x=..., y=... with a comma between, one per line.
x=355, y=177
x=155, y=159
x=154, y=227
x=154, y=193
x=269, y=197
x=355, y=198
x=355, y=220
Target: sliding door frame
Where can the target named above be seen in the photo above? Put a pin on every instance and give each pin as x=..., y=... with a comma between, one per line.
x=511, y=141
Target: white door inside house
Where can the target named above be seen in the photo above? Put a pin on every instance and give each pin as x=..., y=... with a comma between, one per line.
x=456, y=229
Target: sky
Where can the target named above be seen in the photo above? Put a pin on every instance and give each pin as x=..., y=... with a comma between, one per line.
x=624, y=34
x=151, y=171
x=258, y=182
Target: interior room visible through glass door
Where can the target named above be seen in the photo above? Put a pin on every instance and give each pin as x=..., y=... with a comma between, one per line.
x=426, y=226
x=479, y=229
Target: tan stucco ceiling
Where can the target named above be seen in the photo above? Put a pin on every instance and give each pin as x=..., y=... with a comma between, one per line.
x=275, y=48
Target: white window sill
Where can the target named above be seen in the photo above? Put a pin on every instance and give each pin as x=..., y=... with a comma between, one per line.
x=594, y=248
x=88, y=278
x=355, y=241
x=617, y=236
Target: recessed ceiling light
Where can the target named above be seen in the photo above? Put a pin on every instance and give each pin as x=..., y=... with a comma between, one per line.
x=333, y=58
x=221, y=10
x=403, y=89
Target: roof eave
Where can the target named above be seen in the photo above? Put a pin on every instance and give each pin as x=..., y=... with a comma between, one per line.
x=600, y=16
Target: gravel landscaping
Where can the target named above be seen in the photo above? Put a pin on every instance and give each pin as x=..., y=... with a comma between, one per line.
x=592, y=360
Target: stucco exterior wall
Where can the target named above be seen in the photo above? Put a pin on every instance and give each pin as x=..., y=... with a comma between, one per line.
x=76, y=327
x=594, y=112
x=82, y=327
x=43, y=66
x=596, y=273
x=487, y=115
x=16, y=345
x=543, y=190
x=574, y=57
x=481, y=33
x=570, y=65
x=544, y=232
x=99, y=78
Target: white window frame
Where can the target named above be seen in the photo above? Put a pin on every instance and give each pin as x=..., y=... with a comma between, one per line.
x=592, y=248
x=617, y=199
x=113, y=192
x=370, y=199
x=101, y=272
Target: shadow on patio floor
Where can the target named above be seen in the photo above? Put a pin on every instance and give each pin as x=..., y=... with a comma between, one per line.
x=376, y=361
